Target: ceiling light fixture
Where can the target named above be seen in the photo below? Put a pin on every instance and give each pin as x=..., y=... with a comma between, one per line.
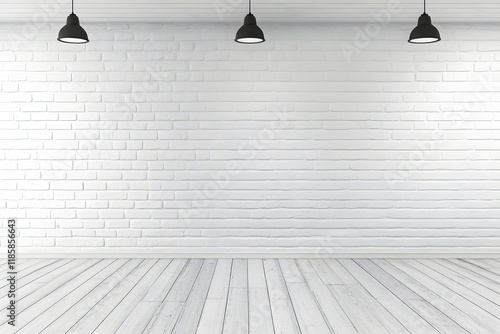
x=249, y=33
x=424, y=32
x=72, y=32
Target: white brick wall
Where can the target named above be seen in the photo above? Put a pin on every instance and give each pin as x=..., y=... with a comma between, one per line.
x=174, y=138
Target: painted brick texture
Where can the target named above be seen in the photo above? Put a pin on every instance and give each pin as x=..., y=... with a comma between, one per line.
x=173, y=138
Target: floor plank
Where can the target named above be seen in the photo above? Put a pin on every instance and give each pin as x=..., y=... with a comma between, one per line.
x=67, y=296
x=212, y=317
x=492, y=297
x=309, y=316
x=21, y=267
x=138, y=320
x=117, y=316
x=476, y=267
x=283, y=313
x=337, y=318
x=191, y=314
x=490, y=265
x=236, y=318
x=436, y=296
x=172, y=305
x=461, y=292
x=470, y=300
x=257, y=296
x=36, y=271
x=421, y=307
x=260, y=320
x=100, y=311
x=470, y=273
x=42, y=288
x=87, y=302
x=407, y=319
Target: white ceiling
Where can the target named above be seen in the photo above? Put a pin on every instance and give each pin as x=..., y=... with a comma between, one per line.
x=234, y=10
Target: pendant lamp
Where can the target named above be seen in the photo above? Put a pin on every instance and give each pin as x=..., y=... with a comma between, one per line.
x=424, y=32
x=249, y=33
x=72, y=32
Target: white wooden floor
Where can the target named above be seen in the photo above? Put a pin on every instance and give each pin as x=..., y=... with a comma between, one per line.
x=256, y=296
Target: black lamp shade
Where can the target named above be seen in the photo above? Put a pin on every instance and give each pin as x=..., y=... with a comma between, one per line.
x=249, y=33
x=72, y=32
x=424, y=32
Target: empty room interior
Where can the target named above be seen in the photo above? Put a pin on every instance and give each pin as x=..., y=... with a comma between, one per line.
x=250, y=167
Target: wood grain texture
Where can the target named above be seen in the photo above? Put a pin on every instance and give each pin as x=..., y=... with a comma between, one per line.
x=258, y=296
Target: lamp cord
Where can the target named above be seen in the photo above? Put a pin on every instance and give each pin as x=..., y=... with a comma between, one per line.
x=424, y=6
x=250, y=6
x=72, y=7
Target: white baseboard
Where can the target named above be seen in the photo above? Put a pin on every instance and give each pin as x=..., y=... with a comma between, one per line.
x=263, y=252
x=260, y=256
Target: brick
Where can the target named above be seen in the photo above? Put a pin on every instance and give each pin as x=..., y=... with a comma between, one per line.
x=160, y=136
